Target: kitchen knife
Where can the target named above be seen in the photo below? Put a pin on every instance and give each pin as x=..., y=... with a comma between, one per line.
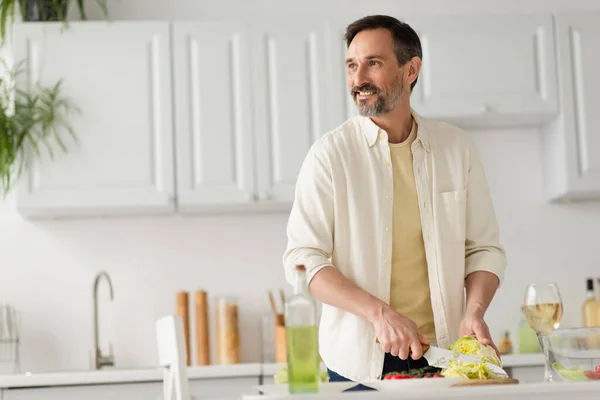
x=438, y=357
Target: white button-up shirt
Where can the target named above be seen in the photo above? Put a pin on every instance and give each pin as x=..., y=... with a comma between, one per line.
x=342, y=214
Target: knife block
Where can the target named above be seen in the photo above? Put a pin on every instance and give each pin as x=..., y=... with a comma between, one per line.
x=280, y=339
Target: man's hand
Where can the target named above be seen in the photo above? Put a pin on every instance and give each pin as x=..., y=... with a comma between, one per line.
x=397, y=334
x=474, y=325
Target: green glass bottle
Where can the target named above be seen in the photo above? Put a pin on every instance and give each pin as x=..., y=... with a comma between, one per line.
x=302, y=337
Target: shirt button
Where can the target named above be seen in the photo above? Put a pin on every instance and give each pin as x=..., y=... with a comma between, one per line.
x=387, y=229
x=387, y=163
x=387, y=197
x=387, y=261
x=382, y=135
x=385, y=298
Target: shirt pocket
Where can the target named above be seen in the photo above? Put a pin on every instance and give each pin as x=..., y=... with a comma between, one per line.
x=451, y=220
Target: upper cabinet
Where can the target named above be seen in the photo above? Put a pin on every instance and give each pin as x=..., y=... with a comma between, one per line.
x=119, y=75
x=291, y=99
x=247, y=102
x=191, y=116
x=571, y=144
x=213, y=115
x=486, y=70
x=477, y=70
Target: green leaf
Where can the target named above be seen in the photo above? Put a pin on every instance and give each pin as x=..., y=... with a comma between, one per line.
x=32, y=122
x=81, y=10
x=8, y=10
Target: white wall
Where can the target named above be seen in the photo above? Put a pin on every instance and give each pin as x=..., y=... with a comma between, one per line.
x=47, y=268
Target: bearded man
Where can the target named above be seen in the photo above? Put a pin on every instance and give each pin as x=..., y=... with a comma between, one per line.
x=392, y=219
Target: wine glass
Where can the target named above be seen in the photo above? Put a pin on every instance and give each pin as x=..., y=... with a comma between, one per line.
x=543, y=309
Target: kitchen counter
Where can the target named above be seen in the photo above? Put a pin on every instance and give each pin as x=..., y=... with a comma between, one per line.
x=124, y=375
x=133, y=375
x=532, y=391
x=508, y=361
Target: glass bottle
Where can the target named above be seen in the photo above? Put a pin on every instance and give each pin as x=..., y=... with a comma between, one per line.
x=505, y=346
x=302, y=337
x=228, y=333
x=589, y=307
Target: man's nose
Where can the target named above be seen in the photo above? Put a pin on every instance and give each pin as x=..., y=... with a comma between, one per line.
x=360, y=77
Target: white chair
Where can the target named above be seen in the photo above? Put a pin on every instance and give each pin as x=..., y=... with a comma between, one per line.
x=171, y=356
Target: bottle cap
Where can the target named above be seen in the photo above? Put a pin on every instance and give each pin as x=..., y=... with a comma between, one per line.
x=590, y=284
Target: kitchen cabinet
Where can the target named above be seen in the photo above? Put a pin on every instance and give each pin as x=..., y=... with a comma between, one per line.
x=119, y=75
x=291, y=108
x=487, y=70
x=477, y=70
x=130, y=391
x=571, y=144
x=213, y=115
x=247, y=102
x=223, y=389
x=191, y=116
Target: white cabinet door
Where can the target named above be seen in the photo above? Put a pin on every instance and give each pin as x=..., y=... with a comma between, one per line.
x=119, y=75
x=129, y=391
x=486, y=69
x=213, y=115
x=572, y=144
x=223, y=389
x=342, y=103
x=291, y=102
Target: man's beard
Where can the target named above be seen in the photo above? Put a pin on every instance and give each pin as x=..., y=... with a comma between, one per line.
x=385, y=102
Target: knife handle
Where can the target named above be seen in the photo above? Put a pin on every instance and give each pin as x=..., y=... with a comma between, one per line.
x=425, y=346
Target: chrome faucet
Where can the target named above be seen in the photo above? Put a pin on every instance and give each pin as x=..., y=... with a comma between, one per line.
x=99, y=360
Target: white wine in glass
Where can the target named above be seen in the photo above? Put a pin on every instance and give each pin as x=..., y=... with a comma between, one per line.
x=543, y=310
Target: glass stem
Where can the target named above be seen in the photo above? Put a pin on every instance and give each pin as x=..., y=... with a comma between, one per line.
x=545, y=342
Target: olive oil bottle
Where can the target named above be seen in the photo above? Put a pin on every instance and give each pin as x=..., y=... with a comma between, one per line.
x=302, y=338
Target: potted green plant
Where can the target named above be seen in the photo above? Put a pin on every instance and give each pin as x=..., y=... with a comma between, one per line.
x=41, y=10
x=29, y=120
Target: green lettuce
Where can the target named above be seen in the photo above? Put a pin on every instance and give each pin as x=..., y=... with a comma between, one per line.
x=570, y=374
x=470, y=346
x=459, y=369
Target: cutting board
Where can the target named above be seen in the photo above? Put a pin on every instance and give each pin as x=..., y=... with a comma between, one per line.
x=483, y=382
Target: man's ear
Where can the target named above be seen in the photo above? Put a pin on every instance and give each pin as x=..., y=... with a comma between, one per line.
x=413, y=68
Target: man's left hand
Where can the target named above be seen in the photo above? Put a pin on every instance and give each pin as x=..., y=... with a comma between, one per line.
x=474, y=325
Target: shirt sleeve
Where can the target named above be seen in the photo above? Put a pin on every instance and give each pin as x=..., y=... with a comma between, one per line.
x=310, y=224
x=483, y=251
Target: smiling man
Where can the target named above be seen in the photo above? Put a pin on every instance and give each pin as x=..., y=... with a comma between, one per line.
x=393, y=219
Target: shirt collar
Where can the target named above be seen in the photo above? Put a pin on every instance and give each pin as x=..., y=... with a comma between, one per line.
x=373, y=132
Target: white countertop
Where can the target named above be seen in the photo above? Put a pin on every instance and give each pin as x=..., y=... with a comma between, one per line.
x=508, y=361
x=531, y=391
x=132, y=375
x=124, y=375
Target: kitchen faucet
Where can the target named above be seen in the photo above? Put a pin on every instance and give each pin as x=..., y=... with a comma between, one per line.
x=99, y=360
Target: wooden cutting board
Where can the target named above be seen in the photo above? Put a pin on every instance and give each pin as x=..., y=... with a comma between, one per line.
x=483, y=382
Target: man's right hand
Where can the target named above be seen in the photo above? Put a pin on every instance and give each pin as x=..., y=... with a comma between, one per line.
x=398, y=335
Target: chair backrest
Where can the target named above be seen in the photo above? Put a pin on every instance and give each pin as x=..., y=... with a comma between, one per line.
x=171, y=356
